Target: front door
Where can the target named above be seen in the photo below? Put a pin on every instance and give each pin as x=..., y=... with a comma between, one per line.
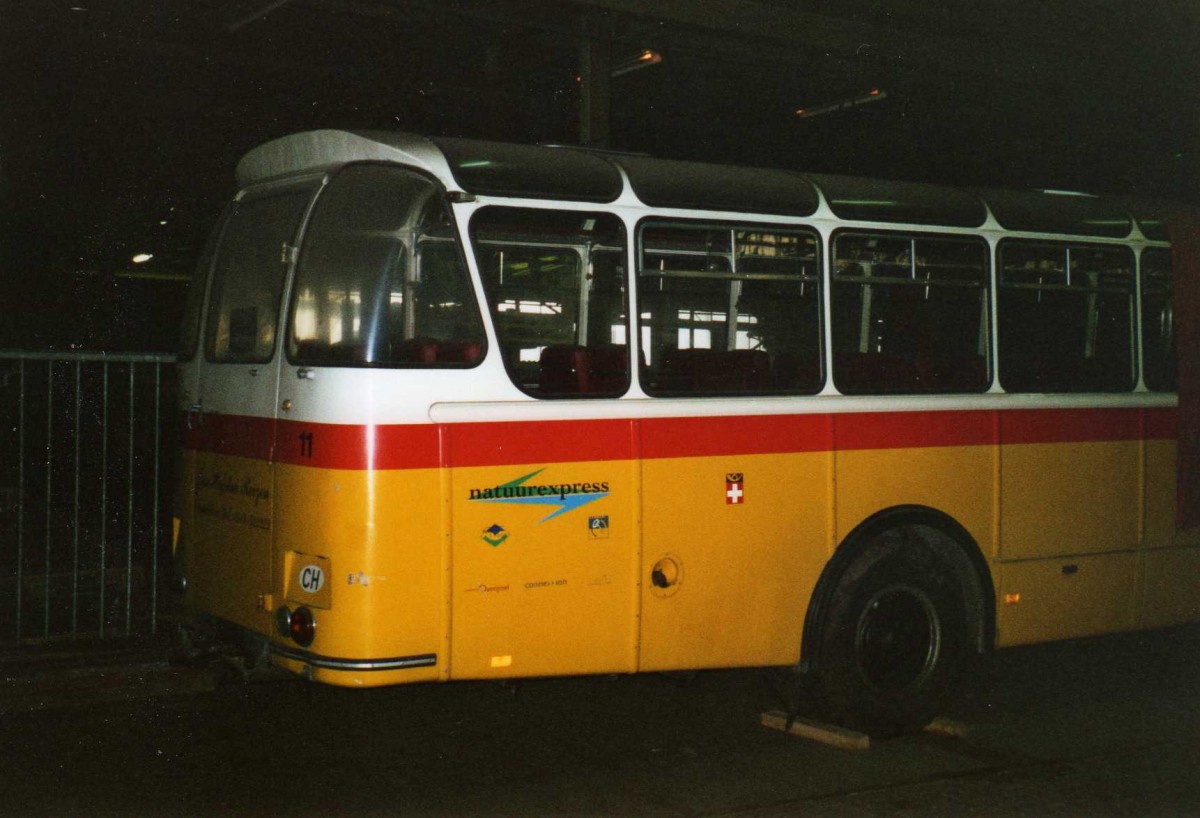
x=236, y=402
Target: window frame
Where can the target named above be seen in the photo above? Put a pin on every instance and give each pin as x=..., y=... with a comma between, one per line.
x=987, y=308
x=1141, y=309
x=453, y=238
x=194, y=321
x=732, y=226
x=1064, y=246
x=582, y=317
x=314, y=185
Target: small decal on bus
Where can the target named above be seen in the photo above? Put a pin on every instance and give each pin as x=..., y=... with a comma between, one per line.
x=735, y=489
x=312, y=578
x=598, y=527
x=494, y=534
x=566, y=496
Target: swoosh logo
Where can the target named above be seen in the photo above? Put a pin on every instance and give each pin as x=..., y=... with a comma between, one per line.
x=563, y=502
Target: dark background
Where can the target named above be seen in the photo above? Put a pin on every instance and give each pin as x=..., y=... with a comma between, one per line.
x=121, y=122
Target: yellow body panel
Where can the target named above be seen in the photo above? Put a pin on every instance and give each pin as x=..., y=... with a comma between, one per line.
x=536, y=594
x=1161, y=531
x=958, y=481
x=234, y=510
x=747, y=570
x=420, y=562
x=1069, y=498
x=382, y=535
x=1044, y=600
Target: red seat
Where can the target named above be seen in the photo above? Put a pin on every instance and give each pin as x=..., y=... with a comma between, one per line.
x=578, y=370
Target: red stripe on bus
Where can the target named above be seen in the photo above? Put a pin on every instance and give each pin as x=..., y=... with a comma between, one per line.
x=914, y=430
x=237, y=435
x=1070, y=425
x=335, y=446
x=416, y=446
x=748, y=434
x=1162, y=424
x=558, y=441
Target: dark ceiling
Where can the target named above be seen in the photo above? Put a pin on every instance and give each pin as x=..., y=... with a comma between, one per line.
x=117, y=116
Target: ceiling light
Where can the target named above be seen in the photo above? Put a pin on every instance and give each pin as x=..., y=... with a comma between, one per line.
x=874, y=95
x=645, y=59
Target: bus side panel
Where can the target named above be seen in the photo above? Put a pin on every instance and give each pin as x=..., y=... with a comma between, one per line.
x=1161, y=497
x=1171, y=577
x=1070, y=482
x=1066, y=598
x=1069, y=498
x=381, y=533
x=544, y=554
x=1159, y=494
x=943, y=460
x=956, y=480
x=749, y=534
x=229, y=553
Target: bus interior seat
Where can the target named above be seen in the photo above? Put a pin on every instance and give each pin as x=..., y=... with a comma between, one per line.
x=567, y=369
x=715, y=370
x=431, y=351
x=880, y=372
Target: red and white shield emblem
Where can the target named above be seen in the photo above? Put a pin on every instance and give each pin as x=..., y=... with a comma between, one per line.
x=735, y=489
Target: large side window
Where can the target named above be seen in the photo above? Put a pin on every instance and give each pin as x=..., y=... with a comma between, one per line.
x=248, y=276
x=555, y=283
x=1158, y=321
x=381, y=280
x=1066, y=317
x=910, y=314
x=729, y=309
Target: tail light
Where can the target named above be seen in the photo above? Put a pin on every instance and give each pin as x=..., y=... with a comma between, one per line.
x=302, y=627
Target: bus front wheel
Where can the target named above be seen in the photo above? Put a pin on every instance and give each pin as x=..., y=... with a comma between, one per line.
x=895, y=638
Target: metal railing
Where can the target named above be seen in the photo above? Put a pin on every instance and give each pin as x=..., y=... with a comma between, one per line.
x=85, y=451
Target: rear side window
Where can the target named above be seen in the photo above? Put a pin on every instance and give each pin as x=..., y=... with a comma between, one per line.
x=729, y=309
x=910, y=314
x=248, y=276
x=381, y=280
x=1158, y=321
x=1066, y=317
x=555, y=283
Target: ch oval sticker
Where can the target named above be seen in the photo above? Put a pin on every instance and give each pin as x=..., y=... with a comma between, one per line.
x=312, y=578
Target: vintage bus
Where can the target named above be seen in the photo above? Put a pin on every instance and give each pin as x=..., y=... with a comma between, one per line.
x=468, y=410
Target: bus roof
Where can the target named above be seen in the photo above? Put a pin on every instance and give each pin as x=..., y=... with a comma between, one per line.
x=578, y=174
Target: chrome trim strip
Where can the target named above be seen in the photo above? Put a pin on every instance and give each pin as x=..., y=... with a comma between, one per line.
x=333, y=663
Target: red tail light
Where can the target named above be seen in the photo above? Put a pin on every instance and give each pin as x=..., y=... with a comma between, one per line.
x=303, y=627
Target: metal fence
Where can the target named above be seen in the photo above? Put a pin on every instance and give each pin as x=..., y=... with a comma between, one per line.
x=86, y=447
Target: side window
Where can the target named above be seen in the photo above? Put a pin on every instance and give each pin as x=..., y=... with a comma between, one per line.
x=189, y=335
x=1066, y=317
x=555, y=284
x=1158, y=321
x=380, y=279
x=729, y=309
x=248, y=276
x=910, y=314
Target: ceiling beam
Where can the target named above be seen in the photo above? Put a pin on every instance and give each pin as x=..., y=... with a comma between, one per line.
x=894, y=46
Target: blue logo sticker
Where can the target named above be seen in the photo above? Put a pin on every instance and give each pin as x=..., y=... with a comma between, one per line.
x=566, y=496
x=494, y=535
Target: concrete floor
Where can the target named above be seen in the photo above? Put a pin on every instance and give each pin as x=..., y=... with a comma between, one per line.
x=1099, y=727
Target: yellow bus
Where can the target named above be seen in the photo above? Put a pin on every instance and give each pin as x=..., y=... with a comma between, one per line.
x=469, y=410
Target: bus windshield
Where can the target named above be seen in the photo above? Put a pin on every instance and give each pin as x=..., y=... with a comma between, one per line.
x=381, y=280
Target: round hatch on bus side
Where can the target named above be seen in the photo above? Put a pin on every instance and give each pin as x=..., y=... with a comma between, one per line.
x=666, y=575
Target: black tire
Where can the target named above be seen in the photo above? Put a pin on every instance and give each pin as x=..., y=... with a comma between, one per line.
x=895, y=639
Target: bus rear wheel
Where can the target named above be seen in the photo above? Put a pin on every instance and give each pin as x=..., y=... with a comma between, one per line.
x=895, y=639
